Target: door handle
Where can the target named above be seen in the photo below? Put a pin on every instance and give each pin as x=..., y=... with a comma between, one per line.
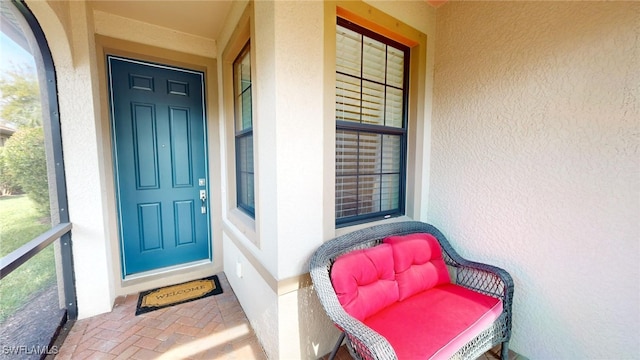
x=203, y=197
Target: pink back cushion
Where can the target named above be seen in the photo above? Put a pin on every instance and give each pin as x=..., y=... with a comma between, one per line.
x=364, y=281
x=418, y=263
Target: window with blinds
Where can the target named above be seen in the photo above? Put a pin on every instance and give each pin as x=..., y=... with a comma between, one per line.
x=244, y=131
x=371, y=135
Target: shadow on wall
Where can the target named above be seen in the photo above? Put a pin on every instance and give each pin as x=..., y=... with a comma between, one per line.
x=318, y=335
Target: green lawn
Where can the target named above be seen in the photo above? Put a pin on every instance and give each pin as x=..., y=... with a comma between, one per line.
x=20, y=223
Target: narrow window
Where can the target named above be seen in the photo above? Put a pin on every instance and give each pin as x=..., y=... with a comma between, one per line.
x=371, y=124
x=244, y=131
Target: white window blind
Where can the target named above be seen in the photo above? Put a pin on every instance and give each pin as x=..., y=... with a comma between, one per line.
x=370, y=124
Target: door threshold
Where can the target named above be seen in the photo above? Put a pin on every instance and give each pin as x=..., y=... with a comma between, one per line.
x=156, y=273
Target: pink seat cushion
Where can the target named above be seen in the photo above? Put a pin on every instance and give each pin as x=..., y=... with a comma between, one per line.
x=418, y=263
x=435, y=323
x=364, y=281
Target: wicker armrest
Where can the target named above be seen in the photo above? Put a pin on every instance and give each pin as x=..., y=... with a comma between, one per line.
x=366, y=342
x=483, y=278
x=487, y=279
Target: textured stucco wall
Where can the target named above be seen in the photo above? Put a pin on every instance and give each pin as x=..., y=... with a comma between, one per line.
x=145, y=33
x=291, y=47
x=68, y=29
x=257, y=299
x=535, y=164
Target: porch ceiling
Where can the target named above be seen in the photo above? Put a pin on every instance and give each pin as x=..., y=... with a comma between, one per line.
x=200, y=18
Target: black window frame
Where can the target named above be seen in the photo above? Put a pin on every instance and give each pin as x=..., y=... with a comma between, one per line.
x=242, y=134
x=379, y=129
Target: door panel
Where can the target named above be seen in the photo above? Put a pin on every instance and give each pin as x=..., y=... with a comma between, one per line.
x=145, y=155
x=181, y=160
x=160, y=155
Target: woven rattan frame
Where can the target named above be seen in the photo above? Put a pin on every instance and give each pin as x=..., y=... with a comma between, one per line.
x=362, y=341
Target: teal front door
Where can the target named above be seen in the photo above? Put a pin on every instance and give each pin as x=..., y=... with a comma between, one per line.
x=159, y=140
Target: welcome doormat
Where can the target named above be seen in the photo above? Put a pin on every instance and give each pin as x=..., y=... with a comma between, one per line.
x=163, y=297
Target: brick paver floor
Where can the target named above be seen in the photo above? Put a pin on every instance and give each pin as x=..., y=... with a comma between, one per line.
x=211, y=328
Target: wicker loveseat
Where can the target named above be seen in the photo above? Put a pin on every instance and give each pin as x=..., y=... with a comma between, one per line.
x=400, y=290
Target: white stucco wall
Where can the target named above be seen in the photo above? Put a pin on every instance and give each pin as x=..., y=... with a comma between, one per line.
x=258, y=300
x=535, y=164
x=288, y=142
x=300, y=116
x=145, y=33
x=265, y=135
x=251, y=268
x=292, y=140
x=71, y=42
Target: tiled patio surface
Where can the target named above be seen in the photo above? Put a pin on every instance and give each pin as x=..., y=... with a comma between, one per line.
x=211, y=328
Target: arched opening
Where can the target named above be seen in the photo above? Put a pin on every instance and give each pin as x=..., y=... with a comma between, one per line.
x=37, y=294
